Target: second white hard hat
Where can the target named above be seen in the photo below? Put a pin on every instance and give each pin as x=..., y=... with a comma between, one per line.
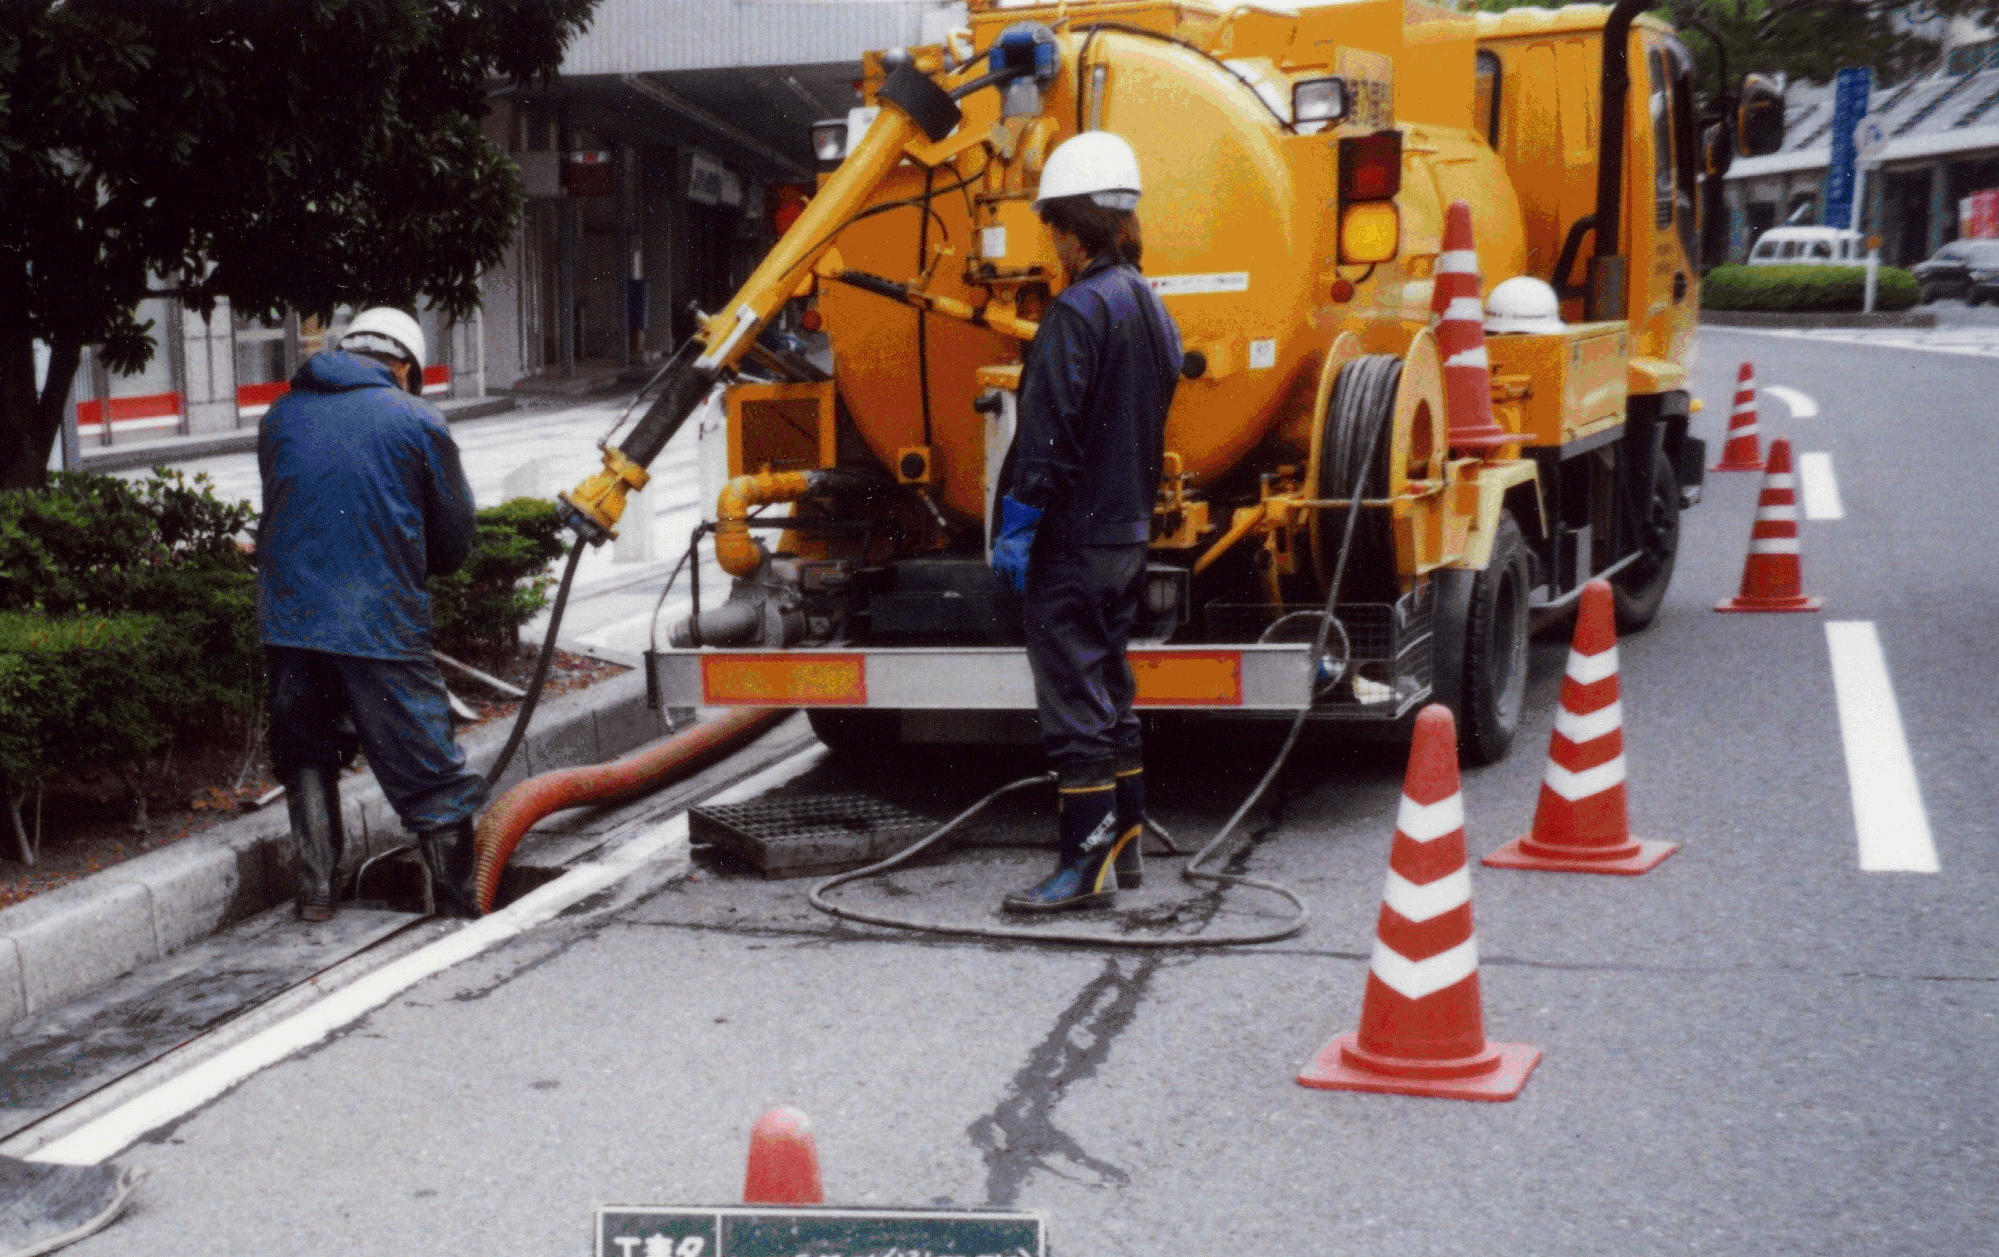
x=1096, y=164
x=390, y=324
x=1523, y=304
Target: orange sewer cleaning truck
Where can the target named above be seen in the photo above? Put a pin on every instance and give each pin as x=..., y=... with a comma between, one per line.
x=1299, y=168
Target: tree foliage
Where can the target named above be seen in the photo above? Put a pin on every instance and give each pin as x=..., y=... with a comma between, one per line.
x=287, y=154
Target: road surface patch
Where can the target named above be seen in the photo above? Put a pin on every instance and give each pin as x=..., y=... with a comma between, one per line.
x=1888, y=814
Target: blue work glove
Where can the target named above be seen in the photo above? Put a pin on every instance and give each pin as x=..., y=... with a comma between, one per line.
x=1017, y=523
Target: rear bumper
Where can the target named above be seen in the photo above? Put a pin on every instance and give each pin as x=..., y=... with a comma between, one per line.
x=985, y=678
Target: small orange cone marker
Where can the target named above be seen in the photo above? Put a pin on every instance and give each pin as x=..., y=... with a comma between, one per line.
x=784, y=1162
x=1580, y=825
x=1741, y=452
x=1422, y=1026
x=1773, y=576
x=1454, y=300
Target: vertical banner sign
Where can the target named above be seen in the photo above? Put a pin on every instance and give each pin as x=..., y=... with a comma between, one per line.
x=1850, y=93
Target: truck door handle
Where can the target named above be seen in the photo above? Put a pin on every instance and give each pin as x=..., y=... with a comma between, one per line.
x=1679, y=287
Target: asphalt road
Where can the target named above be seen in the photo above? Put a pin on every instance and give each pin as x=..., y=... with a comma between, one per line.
x=1758, y=1048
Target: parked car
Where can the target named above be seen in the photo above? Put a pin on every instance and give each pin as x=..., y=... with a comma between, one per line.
x=1821, y=246
x=1967, y=269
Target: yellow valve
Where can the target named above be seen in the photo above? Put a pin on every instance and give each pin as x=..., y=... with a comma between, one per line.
x=601, y=496
x=736, y=552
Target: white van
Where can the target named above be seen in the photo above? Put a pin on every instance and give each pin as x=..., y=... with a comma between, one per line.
x=1808, y=246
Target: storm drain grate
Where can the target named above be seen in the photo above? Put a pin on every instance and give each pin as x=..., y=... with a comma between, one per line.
x=810, y=834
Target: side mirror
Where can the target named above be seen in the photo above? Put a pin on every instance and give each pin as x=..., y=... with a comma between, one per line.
x=1759, y=119
x=1717, y=148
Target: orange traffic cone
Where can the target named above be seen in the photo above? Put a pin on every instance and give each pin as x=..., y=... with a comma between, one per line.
x=1773, y=576
x=1580, y=825
x=1454, y=301
x=1741, y=452
x=784, y=1162
x=1422, y=1026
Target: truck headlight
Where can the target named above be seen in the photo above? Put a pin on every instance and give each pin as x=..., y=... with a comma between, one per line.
x=829, y=141
x=1318, y=100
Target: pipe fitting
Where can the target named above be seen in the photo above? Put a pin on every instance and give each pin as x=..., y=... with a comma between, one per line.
x=736, y=551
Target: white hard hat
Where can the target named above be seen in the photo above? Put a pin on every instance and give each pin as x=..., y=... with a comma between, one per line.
x=385, y=329
x=1096, y=164
x=1523, y=304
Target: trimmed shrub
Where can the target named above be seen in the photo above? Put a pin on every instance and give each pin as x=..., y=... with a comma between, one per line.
x=477, y=612
x=82, y=692
x=1805, y=288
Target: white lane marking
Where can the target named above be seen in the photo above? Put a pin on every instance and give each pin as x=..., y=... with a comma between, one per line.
x=117, y=1130
x=1799, y=404
x=1888, y=813
x=1820, y=485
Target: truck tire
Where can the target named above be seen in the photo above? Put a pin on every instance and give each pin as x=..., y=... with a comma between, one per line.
x=1638, y=590
x=857, y=733
x=1480, y=653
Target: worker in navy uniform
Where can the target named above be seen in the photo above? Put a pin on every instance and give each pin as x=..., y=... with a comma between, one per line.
x=364, y=500
x=1076, y=517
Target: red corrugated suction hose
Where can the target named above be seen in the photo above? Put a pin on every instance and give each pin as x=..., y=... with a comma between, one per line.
x=519, y=809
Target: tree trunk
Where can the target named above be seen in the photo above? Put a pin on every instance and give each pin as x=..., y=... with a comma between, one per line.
x=29, y=423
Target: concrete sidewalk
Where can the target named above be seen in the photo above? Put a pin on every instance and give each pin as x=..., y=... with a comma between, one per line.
x=68, y=941
x=178, y=449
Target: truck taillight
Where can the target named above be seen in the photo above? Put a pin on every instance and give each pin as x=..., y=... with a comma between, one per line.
x=1370, y=177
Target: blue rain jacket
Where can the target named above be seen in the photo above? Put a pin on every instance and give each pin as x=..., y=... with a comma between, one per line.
x=364, y=498
x=1094, y=388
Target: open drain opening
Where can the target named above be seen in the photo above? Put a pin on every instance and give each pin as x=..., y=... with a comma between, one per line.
x=396, y=884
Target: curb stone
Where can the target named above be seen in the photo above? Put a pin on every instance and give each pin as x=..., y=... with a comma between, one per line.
x=68, y=941
x=1828, y=319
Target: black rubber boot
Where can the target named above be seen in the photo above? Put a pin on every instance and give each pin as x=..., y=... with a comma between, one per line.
x=449, y=856
x=1083, y=876
x=1129, y=859
x=312, y=796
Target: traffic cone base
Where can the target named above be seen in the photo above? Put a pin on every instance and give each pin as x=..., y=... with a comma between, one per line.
x=1740, y=464
x=1343, y=1065
x=1638, y=856
x=1780, y=605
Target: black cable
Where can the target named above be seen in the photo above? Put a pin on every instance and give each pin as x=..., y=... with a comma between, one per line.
x=922, y=315
x=540, y=666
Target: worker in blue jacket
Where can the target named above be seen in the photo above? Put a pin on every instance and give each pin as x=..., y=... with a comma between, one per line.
x=364, y=500
x=1076, y=518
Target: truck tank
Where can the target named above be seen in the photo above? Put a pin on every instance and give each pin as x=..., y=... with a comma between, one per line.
x=1239, y=219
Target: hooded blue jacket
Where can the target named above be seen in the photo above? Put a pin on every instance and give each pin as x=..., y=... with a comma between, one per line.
x=364, y=498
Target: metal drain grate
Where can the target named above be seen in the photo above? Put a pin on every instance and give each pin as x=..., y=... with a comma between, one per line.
x=810, y=834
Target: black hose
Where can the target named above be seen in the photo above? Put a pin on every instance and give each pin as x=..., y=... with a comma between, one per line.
x=526, y=712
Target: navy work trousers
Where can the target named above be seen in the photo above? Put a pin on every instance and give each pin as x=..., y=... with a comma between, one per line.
x=399, y=709
x=1079, y=607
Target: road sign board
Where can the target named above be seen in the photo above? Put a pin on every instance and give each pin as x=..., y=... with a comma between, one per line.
x=1869, y=137
x=1851, y=91
x=754, y=1231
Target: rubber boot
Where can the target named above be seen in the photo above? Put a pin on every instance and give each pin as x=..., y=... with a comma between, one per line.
x=449, y=855
x=312, y=796
x=1129, y=859
x=1083, y=876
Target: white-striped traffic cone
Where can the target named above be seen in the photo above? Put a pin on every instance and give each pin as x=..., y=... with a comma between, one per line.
x=1422, y=1023
x=1773, y=575
x=1742, y=452
x=1581, y=824
x=1454, y=301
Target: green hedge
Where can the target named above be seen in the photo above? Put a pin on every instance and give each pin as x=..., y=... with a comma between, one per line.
x=1805, y=288
x=477, y=612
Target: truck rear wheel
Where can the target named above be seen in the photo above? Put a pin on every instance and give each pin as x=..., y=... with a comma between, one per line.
x=857, y=732
x=1638, y=590
x=1480, y=649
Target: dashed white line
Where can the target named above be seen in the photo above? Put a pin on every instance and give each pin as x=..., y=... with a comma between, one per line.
x=121, y=1127
x=1888, y=814
x=1800, y=404
x=1821, y=487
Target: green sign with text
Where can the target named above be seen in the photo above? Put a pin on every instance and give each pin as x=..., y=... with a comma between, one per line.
x=753, y=1231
